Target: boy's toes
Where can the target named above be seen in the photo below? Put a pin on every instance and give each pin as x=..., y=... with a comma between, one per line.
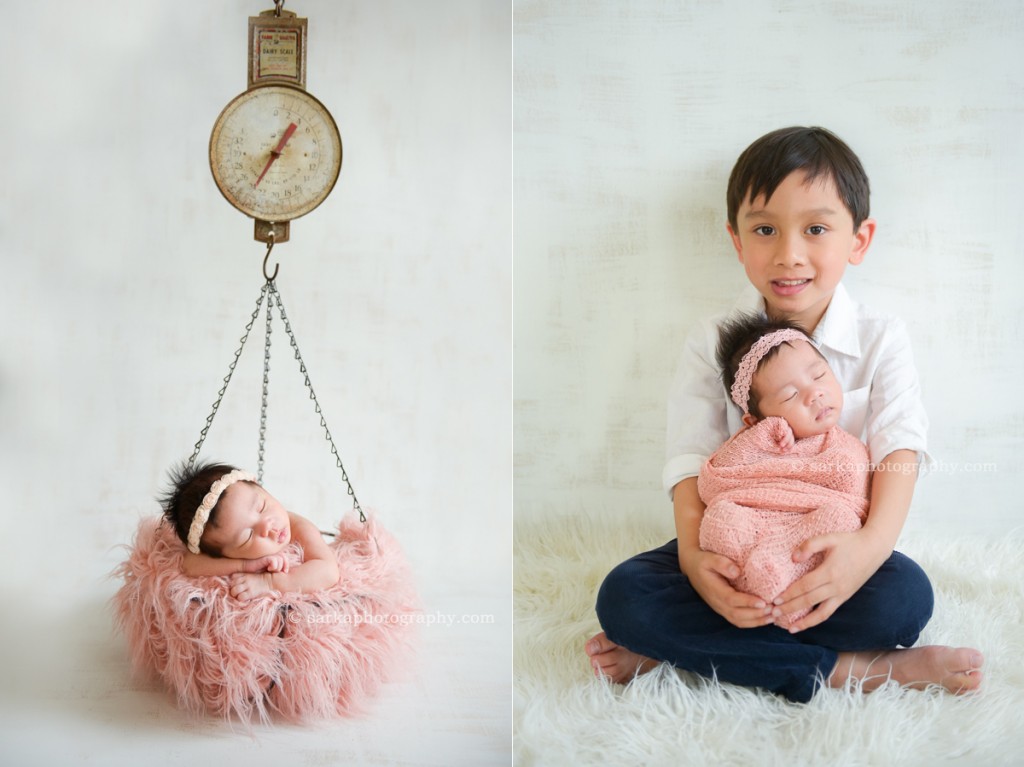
x=615, y=662
x=598, y=644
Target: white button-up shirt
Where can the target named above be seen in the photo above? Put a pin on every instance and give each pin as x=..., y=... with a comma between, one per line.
x=870, y=355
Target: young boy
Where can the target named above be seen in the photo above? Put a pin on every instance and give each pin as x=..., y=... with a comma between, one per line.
x=798, y=203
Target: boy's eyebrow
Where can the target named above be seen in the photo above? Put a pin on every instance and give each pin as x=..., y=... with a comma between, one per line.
x=755, y=212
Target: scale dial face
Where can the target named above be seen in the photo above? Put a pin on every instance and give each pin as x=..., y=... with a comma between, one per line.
x=275, y=152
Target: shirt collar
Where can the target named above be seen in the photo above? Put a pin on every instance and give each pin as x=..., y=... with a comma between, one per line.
x=838, y=326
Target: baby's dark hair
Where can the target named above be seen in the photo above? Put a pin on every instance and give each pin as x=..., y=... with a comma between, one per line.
x=188, y=486
x=736, y=337
x=816, y=151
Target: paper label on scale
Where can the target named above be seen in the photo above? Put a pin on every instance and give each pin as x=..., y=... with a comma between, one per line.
x=278, y=53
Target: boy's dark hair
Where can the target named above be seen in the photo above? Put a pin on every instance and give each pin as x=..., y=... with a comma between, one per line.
x=736, y=336
x=816, y=151
x=188, y=487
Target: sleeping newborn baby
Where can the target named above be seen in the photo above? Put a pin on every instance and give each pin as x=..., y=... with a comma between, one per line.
x=232, y=526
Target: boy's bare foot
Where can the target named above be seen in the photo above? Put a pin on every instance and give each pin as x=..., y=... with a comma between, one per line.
x=958, y=669
x=614, y=661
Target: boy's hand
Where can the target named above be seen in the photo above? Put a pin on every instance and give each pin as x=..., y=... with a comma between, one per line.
x=274, y=563
x=709, y=574
x=246, y=586
x=850, y=560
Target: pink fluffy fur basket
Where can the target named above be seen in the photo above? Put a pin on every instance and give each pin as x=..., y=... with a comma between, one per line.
x=292, y=656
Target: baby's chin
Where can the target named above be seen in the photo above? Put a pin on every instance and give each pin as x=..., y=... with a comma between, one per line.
x=816, y=432
x=816, y=429
x=808, y=428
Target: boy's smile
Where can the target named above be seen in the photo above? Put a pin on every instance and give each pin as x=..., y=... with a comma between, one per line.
x=789, y=287
x=795, y=246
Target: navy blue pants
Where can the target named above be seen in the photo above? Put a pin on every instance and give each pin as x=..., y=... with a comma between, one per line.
x=648, y=606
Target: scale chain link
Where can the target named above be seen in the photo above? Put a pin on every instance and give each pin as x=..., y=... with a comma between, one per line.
x=266, y=384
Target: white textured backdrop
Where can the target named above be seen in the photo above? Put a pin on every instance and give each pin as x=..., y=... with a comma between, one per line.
x=628, y=118
x=127, y=280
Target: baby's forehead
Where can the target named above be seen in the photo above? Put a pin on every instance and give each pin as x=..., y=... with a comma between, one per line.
x=236, y=501
x=794, y=355
x=241, y=492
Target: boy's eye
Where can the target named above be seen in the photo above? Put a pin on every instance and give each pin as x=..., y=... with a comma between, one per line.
x=764, y=229
x=816, y=229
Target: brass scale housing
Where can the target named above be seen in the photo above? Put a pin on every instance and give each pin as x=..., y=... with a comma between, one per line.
x=275, y=149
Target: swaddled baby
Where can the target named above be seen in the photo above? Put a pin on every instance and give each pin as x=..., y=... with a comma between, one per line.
x=792, y=473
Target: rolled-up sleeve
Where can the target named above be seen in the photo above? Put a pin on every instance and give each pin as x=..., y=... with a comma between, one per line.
x=897, y=419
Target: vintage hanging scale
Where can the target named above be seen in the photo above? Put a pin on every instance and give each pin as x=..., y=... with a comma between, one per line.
x=275, y=154
x=275, y=150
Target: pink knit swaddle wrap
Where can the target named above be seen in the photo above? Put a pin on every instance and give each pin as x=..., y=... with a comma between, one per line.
x=762, y=503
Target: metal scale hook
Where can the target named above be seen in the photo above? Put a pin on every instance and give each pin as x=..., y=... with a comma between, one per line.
x=270, y=247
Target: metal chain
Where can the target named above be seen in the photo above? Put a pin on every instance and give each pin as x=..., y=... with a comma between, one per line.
x=276, y=297
x=227, y=378
x=266, y=383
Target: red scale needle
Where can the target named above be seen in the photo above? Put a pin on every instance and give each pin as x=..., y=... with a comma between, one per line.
x=276, y=151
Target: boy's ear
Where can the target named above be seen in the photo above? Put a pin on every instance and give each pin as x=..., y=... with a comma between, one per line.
x=735, y=242
x=862, y=240
x=749, y=420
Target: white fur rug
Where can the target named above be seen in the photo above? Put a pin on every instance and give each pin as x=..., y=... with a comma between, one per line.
x=566, y=716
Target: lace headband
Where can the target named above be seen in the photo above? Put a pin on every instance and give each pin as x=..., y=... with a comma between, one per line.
x=740, y=390
x=195, y=532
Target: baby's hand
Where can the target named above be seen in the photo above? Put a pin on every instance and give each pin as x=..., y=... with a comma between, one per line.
x=785, y=441
x=246, y=586
x=277, y=563
x=274, y=563
x=783, y=435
